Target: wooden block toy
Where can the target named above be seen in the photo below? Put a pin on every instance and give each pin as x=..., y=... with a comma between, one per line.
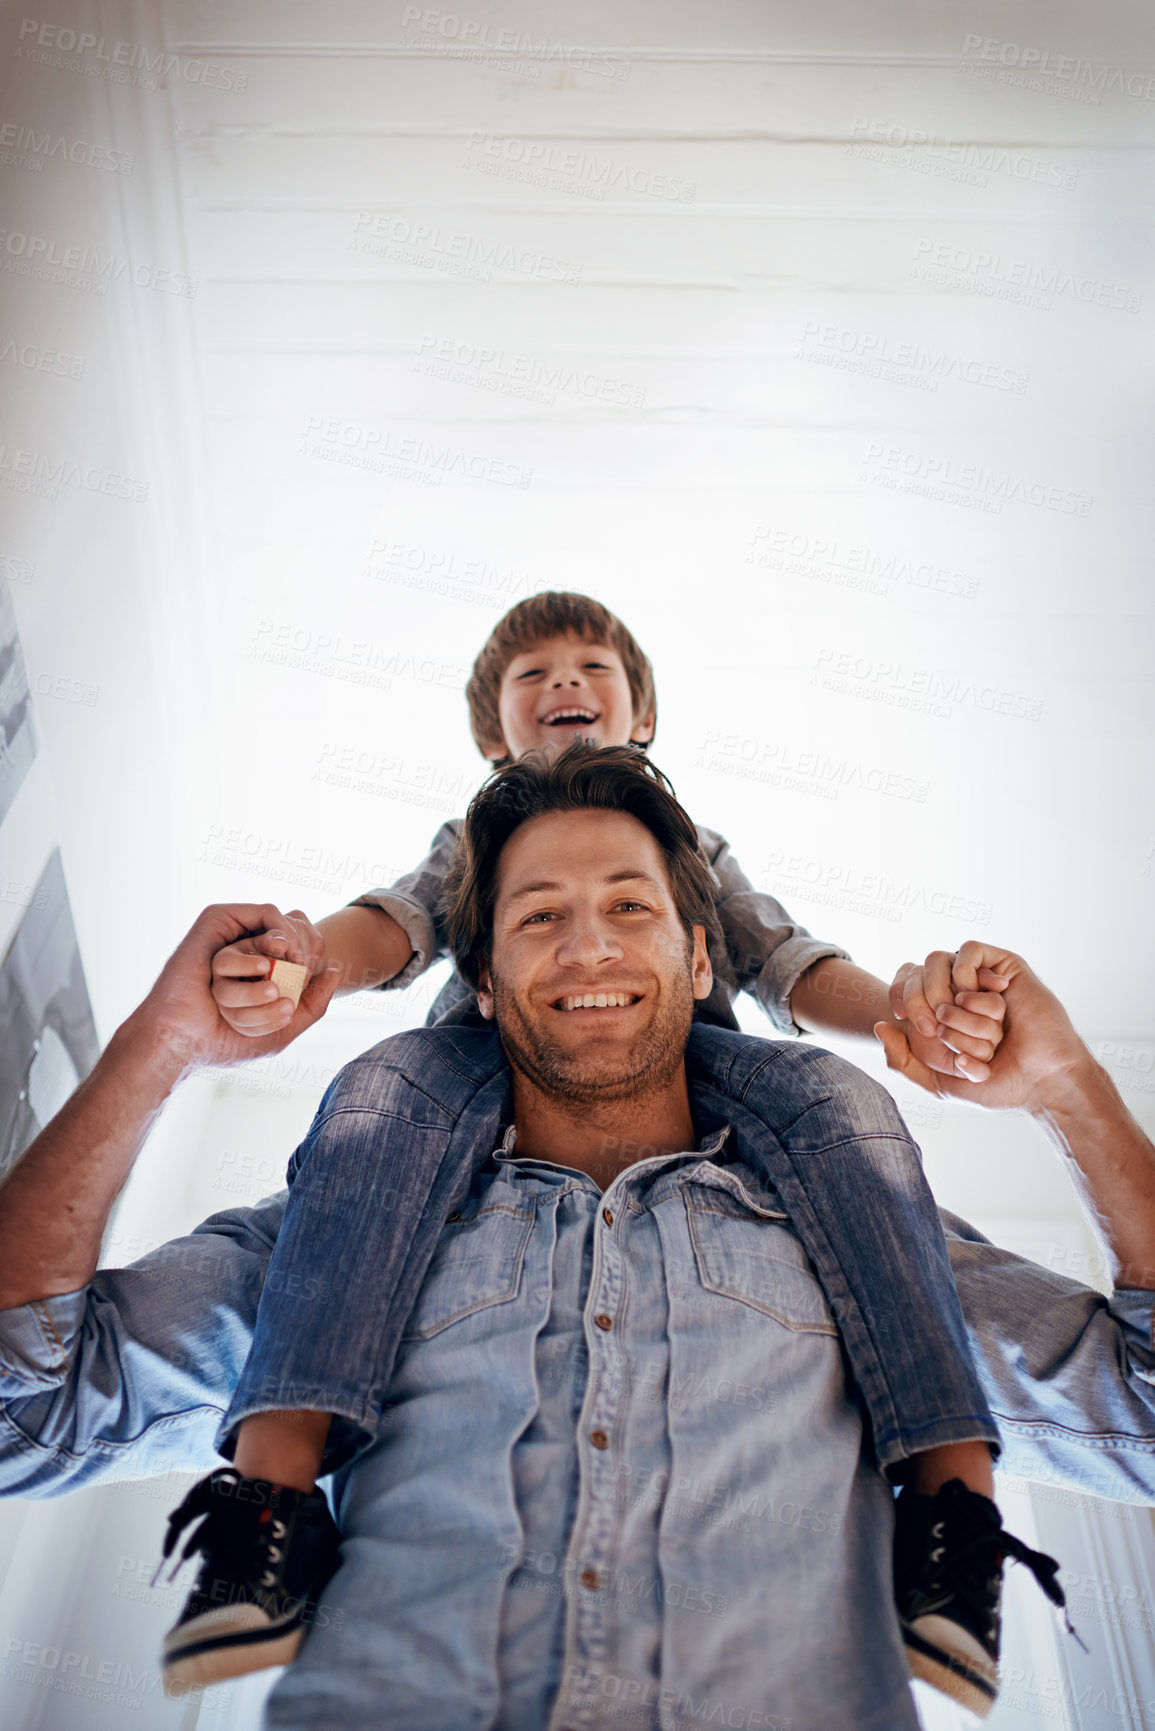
x=290, y=978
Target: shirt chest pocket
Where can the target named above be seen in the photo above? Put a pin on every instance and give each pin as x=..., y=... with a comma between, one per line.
x=755, y=1259
x=477, y=1264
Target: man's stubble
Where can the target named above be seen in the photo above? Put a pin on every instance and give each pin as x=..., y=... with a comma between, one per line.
x=594, y=1077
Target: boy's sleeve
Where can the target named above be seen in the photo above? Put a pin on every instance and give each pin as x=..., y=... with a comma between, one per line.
x=1069, y=1373
x=768, y=951
x=129, y=1377
x=415, y=902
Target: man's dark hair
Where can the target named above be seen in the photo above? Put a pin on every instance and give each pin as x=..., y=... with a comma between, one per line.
x=583, y=777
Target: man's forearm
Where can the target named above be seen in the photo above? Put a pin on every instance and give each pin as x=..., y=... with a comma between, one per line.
x=836, y=997
x=368, y=944
x=55, y=1203
x=1112, y=1166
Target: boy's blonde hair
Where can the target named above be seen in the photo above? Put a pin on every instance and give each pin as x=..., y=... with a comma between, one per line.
x=550, y=614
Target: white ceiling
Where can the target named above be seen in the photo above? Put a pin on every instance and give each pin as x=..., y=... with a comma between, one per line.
x=721, y=407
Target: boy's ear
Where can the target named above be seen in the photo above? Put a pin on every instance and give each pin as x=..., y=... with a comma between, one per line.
x=485, y=994
x=496, y=750
x=643, y=731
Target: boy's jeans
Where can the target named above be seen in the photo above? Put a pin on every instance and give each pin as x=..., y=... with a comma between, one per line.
x=403, y=1133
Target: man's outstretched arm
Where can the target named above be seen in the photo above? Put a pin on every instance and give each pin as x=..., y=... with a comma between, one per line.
x=1069, y=1373
x=1044, y=1068
x=55, y=1204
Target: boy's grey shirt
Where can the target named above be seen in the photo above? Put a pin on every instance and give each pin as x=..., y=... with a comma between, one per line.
x=766, y=951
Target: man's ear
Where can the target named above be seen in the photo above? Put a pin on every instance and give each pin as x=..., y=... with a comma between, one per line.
x=643, y=731
x=485, y=994
x=701, y=973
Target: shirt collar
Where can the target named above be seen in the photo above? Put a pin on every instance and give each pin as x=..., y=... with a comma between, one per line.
x=711, y=1143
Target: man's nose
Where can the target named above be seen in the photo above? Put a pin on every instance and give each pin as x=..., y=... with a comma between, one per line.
x=588, y=940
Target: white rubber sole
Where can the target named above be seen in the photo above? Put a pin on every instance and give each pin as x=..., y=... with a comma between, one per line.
x=942, y=1654
x=224, y=1643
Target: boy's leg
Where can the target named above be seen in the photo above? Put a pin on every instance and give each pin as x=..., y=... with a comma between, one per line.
x=833, y=1145
x=268, y=1546
x=391, y=1153
x=969, y=1461
x=949, y=1552
x=267, y=1552
x=284, y=1447
x=836, y=1150
x=384, y=1163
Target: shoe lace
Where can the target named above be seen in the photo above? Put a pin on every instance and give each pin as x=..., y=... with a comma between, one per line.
x=1001, y=1544
x=228, y=1542
x=1046, y=1572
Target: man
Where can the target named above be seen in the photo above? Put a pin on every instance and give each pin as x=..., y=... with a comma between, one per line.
x=621, y=1590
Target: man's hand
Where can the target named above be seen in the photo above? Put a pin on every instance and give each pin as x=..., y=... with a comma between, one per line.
x=55, y=1202
x=1040, y=1051
x=183, y=1014
x=1044, y=1067
x=246, y=1000
x=953, y=1023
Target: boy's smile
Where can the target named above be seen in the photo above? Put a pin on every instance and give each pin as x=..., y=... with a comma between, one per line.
x=565, y=688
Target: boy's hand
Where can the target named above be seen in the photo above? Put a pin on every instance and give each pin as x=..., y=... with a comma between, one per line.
x=953, y=1020
x=245, y=996
x=1040, y=1057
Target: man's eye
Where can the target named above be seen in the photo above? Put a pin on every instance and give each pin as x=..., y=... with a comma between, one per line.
x=531, y=918
x=641, y=906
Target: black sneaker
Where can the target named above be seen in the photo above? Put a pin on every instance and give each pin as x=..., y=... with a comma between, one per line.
x=268, y=1551
x=949, y=1551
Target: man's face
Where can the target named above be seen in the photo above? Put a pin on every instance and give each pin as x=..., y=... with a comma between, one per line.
x=564, y=687
x=584, y=910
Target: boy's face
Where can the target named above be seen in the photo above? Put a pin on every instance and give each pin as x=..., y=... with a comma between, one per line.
x=584, y=908
x=564, y=688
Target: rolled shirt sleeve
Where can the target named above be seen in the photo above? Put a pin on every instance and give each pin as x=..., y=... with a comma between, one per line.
x=1068, y=1372
x=130, y=1376
x=768, y=951
x=415, y=902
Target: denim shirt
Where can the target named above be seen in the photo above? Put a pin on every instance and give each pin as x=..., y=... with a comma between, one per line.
x=766, y=951
x=131, y=1375
x=621, y=1478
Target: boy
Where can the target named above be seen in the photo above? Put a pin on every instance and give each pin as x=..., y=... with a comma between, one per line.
x=556, y=667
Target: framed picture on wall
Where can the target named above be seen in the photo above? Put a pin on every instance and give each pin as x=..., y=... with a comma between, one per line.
x=47, y=1035
x=17, y=728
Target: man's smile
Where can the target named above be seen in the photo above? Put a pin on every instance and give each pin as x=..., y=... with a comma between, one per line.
x=599, y=1000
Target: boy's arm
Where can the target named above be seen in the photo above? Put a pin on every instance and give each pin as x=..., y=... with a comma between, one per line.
x=386, y=938
x=806, y=985
x=836, y=997
x=367, y=944
x=766, y=951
